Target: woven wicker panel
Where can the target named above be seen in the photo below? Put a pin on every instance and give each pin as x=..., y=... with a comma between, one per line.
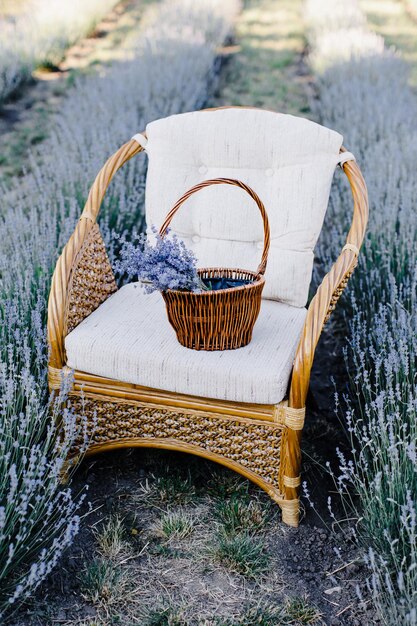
x=92, y=280
x=253, y=445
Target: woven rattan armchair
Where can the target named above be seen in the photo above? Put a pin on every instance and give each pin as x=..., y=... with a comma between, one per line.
x=130, y=376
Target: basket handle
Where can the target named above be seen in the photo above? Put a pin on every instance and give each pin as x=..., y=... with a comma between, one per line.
x=236, y=183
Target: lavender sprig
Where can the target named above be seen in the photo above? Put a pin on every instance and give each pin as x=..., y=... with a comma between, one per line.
x=166, y=265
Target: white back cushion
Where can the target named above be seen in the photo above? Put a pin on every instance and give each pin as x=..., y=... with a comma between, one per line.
x=288, y=161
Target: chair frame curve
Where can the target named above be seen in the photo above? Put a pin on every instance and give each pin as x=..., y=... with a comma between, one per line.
x=83, y=268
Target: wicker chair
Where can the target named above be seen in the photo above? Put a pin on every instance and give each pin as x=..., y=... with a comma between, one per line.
x=242, y=408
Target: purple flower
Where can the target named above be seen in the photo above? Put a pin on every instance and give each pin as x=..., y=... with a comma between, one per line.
x=166, y=265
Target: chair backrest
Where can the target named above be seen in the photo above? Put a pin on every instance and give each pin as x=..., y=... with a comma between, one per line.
x=288, y=161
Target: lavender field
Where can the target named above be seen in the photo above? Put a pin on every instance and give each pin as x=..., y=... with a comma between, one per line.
x=153, y=538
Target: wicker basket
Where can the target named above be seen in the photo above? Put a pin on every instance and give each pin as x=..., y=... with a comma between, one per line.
x=220, y=319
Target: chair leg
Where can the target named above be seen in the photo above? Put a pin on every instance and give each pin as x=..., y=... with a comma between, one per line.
x=290, y=512
x=291, y=478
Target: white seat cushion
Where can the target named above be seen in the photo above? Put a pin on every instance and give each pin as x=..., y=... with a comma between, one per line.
x=288, y=161
x=128, y=338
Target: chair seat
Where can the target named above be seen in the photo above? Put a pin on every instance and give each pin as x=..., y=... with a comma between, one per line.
x=129, y=339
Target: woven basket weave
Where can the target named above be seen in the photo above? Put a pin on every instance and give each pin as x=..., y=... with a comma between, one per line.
x=220, y=319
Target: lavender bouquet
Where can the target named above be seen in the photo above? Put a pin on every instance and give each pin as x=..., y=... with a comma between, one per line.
x=166, y=265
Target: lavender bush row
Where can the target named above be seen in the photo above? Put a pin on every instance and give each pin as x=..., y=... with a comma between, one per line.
x=37, y=520
x=173, y=68
x=363, y=93
x=41, y=34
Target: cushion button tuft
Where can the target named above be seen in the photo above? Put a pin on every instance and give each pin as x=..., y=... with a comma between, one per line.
x=260, y=245
x=269, y=171
x=196, y=238
x=202, y=169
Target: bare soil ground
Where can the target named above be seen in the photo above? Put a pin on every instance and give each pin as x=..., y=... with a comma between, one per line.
x=176, y=540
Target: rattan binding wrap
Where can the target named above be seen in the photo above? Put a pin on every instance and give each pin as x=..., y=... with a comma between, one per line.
x=222, y=319
x=288, y=414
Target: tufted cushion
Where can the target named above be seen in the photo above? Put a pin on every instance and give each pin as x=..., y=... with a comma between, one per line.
x=129, y=338
x=288, y=161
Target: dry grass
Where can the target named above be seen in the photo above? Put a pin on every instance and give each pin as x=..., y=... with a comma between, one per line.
x=242, y=553
x=240, y=515
x=111, y=538
x=175, y=525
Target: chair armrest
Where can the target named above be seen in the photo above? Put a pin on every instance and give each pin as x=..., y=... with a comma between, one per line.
x=83, y=277
x=331, y=288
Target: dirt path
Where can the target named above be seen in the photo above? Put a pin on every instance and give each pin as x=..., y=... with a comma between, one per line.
x=25, y=119
x=266, y=68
